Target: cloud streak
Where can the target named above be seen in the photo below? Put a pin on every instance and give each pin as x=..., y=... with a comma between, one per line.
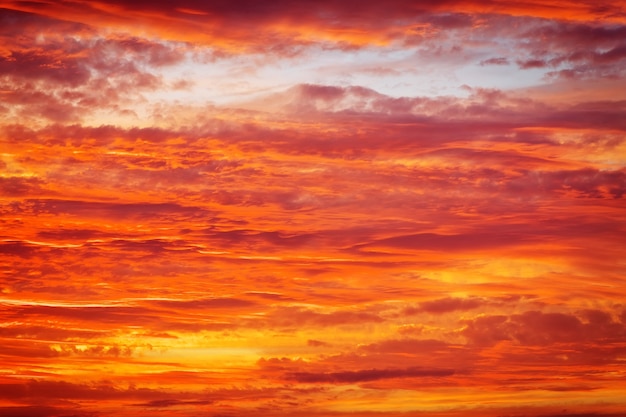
x=368, y=375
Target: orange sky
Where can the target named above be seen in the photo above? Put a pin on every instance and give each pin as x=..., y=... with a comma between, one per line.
x=234, y=208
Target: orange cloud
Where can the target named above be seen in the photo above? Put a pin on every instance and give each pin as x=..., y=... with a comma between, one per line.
x=284, y=208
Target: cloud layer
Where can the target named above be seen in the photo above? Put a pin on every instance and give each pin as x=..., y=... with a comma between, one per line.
x=235, y=208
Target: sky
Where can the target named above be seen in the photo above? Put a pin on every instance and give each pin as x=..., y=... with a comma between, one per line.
x=313, y=208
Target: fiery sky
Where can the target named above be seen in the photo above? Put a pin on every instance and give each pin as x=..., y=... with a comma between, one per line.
x=313, y=208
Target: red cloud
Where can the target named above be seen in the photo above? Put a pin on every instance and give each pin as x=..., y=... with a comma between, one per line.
x=301, y=317
x=316, y=343
x=20, y=186
x=62, y=71
x=495, y=61
x=351, y=377
x=323, y=224
x=537, y=328
x=229, y=25
x=445, y=305
x=212, y=303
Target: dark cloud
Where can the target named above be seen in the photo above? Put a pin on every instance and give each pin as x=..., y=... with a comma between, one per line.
x=16, y=350
x=298, y=317
x=227, y=21
x=579, y=34
x=230, y=238
x=20, y=249
x=44, y=411
x=429, y=346
x=75, y=234
x=451, y=20
x=532, y=63
x=316, y=343
x=414, y=125
x=101, y=314
x=457, y=242
x=170, y=403
x=592, y=414
x=575, y=50
x=269, y=296
x=17, y=23
x=68, y=53
x=206, y=303
x=535, y=328
x=47, y=392
x=61, y=71
x=47, y=333
x=105, y=209
x=495, y=61
x=604, y=115
x=351, y=377
x=582, y=183
x=446, y=305
x=37, y=65
x=80, y=135
x=410, y=122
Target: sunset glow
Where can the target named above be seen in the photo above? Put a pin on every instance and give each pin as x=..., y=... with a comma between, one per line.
x=313, y=208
